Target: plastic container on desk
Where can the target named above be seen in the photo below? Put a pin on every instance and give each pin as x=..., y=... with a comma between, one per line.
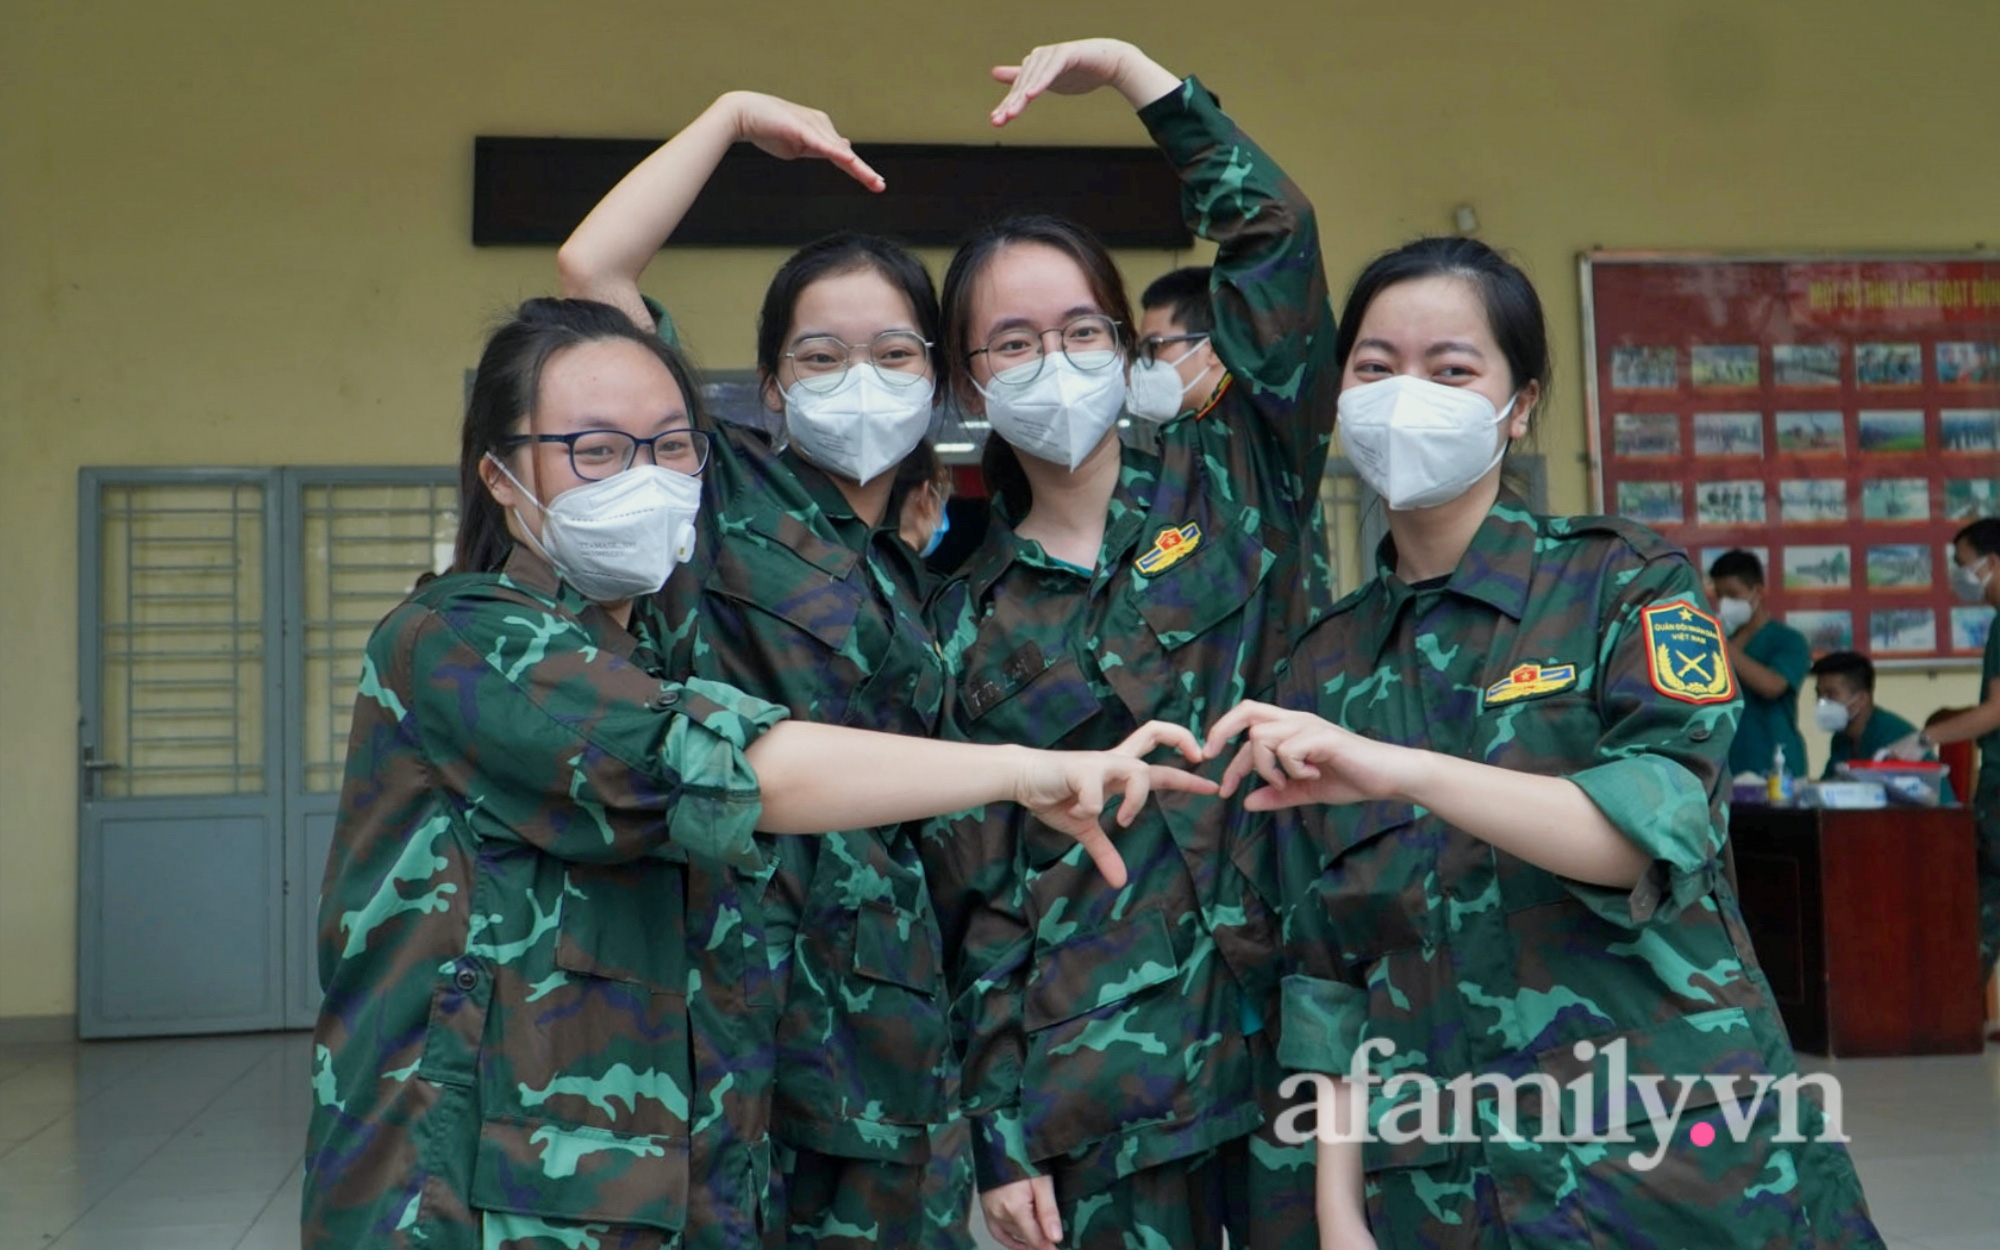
x=1916, y=783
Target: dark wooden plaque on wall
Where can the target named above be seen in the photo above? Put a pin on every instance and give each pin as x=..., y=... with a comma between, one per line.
x=535, y=191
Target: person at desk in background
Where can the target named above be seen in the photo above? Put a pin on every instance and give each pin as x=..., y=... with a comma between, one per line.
x=1975, y=579
x=1770, y=660
x=1844, y=687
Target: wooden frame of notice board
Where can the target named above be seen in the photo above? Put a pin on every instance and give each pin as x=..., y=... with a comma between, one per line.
x=1837, y=415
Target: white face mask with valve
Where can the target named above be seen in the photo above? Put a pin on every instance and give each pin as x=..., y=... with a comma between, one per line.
x=1156, y=392
x=1419, y=443
x=863, y=426
x=1064, y=412
x=618, y=538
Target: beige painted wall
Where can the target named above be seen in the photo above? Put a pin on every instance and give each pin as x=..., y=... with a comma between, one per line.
x=236, y=232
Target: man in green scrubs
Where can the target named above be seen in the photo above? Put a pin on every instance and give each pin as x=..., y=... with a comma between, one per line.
x=1845, y=708
x=1770, y=660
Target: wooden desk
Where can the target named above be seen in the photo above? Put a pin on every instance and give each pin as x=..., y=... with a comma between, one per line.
x=1867, y=924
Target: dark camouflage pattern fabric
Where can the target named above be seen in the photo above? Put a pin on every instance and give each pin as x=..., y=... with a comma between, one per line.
x=1109, y=1031
x=1534, y=656
x=794, y=598
x=514, y=928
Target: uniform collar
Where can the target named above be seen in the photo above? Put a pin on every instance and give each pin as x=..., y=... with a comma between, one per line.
x=1124, y=524
x=1215, y=396
x=1496, y=569
x=527, y=570
x=820, y=488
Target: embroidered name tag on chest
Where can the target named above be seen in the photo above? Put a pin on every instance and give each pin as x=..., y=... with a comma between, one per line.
x=1684, y=654
x=1529, y=680
x=1169, y=549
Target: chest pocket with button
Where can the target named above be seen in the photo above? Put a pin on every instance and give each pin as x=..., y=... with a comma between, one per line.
x=778, y=613
x=1198, y=592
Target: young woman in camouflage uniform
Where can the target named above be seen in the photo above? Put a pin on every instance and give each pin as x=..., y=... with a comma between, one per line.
x=805, y=596
x=520, y=908
x=1119, y=1068
x=1502, y=768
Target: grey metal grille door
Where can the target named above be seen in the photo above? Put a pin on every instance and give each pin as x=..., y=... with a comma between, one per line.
x=364, y=537
x=220, y=643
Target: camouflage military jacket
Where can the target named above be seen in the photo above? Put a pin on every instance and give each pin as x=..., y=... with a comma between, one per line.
x=1105, y=1031
x=511, y=933
x=800, y=602
x=1575, y=647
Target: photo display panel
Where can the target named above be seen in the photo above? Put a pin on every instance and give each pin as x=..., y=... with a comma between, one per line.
x=1840, y=418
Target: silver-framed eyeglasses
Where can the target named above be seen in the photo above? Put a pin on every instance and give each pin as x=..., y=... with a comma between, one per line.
x=1149, y=347
x=1090, y=342
x=597, y=454
x=899, y=357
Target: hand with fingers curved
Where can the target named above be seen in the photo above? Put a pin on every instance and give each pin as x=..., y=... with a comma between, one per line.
x=1067, y=791
x=1155, y=734
x=1304, y=759
x=1078, y=67
x=1021, y=1215
x=790, y=131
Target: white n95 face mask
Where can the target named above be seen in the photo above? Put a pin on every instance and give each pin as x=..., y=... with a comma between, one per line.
x=1064, y=412
x=1831, y=717
x=1156, y=392
x=1419, y=443
x=1968, y=584
x=618, y=538
x=862, y=426
x=1734, y=613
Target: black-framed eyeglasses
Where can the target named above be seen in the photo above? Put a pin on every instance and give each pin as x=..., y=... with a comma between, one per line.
x=899, y=357
x=1149, y=347
x=597, y=454
x=1090, y=342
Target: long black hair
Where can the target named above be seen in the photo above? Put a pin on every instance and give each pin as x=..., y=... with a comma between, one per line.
x=1005, y=480
x=505, y=389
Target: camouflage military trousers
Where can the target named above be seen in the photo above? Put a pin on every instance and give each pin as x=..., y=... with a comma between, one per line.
x=500, y=1231
x=1256, y=1188
x=1986, y=819
x=833, y=1203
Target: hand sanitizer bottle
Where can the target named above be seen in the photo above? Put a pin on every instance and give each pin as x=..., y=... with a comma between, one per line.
x=1780, y=782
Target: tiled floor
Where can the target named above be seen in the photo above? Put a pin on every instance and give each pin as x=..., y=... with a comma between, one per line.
x=195, y=1144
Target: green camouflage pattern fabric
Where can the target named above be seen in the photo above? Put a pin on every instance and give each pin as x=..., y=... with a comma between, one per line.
x=1470, y=961
x=512, y=932
x=794, y=598
x=1257, y=1187
x=1107, y=1031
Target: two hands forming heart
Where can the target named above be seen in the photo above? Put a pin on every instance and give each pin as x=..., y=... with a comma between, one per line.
x=791, y=131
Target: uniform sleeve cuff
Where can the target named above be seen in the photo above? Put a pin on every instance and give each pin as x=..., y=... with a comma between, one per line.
x=1186, y=121
x=663, y=322
x=1664, y=810
x=1322, y=1024
x=715, y=815
x=1000, y=1150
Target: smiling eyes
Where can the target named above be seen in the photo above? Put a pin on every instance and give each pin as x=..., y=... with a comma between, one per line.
x=1372, y=370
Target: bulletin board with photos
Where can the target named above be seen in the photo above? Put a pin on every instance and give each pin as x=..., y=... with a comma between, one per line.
x=1839, y=417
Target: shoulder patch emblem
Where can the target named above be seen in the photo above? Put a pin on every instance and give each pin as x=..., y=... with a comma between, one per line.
x=1169, y=549
x=1684, y=654
x=1529, y=680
